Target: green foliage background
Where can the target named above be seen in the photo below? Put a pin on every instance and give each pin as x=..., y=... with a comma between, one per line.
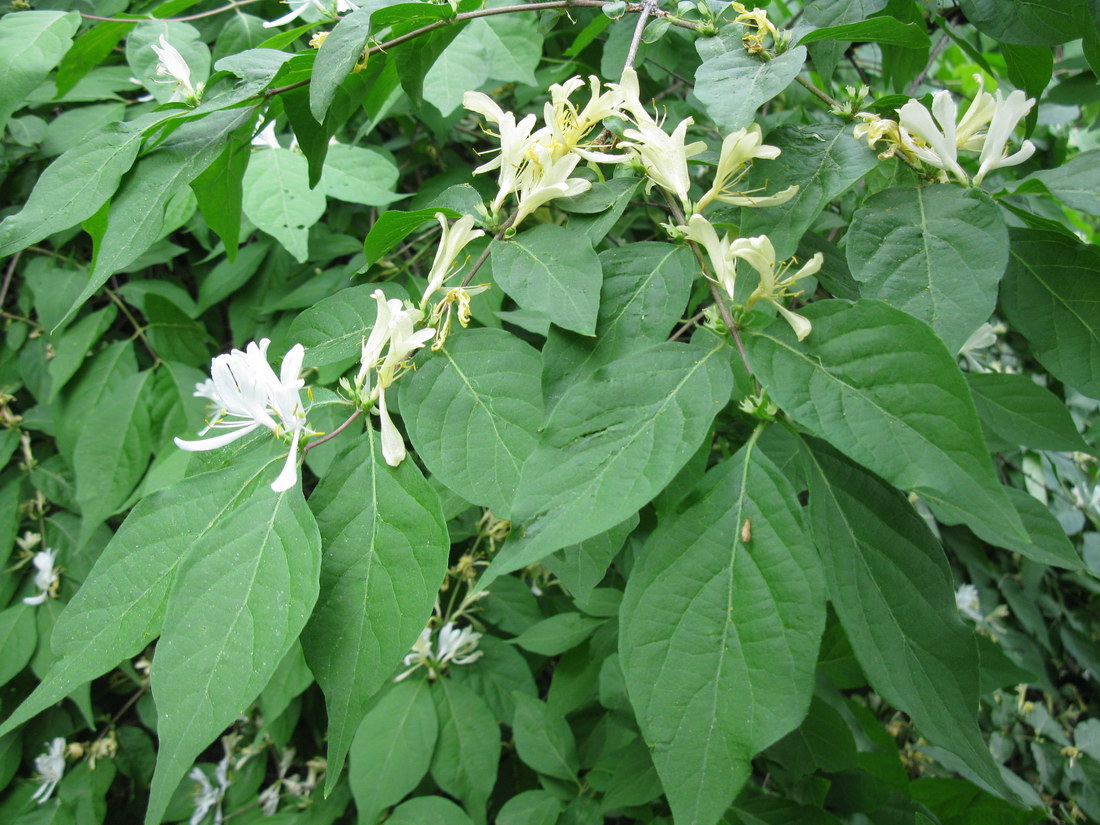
x=720, y=573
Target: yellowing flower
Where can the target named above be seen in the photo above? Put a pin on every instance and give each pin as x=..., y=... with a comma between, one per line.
x=739, y=150
x=719, y=251
x=664, y=156
x=775, y=283
x=452, y=241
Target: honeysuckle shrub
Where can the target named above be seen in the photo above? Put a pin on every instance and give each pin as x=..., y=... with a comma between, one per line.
x=551, y=413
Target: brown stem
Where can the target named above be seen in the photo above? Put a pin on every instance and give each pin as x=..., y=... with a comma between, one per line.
x=819, y=94
x=937, y=50
x=484, y=256
x=185, y=18
x=715, y=293
x=333, y=434
x=8, y=273
x=139, y=330
x=632, y=8
x=648, y=8
x=688, y=324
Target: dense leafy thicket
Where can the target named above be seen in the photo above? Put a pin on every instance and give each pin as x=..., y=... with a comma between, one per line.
x=549, y=413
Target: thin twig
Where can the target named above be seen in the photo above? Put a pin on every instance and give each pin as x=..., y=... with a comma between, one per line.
x=819, y=94
x=184, y=19
x=328, y=437
x=648, y=8
x=139, y=330
x=688, y=324
x=937, y=50
x=8, y=273
x=715, y=293
x=632, y=8
x=484, y=256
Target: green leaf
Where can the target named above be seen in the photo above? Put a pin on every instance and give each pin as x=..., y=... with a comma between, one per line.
x=824, y=161
x=1020, y=412
x=644, y=293
x=119, y=609
x=937, y=252
x=386, y=551
x=31, y=44
x=72, y=346
x=1029, y=68
x=497, y=673
x=559, y=633
x=1049, y=544
x=734, y=85
x=394, y=226
x=1022, y=21
x=136, y=213
x=915, y=650
x=546, y=270
x=338, y=55
x=531, y=807
x=241, y=597
x=357, y=174
x=393, y=748
x=219, y=190
x=583, y=567
x=888, y=30
x=719, y=635
x=174, y=335
x=18, y=640
x=1050, y=295
x=277, y=198
x=87, y=52
x=473, y=411
x=433, y=809
x=229, y=276
x=112, y=451
x=468, y=752
x=543, y=739
x=880, y=386
x=1076, y=183
x=333, y=329
x=612, y=443
x=74, y=186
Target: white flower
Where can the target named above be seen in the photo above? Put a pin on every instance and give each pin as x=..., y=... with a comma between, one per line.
x=719, y=250
x=266, y=137
x=775, y=283
x=516, y=142
x=739, y=150
x=46, y=576
x=544, y=179
x=208, y=796
x=453, y=646
x=50, y=767
x=983, y=337
x=171, y=64
x=454, y=239
x=458, y=646
x=247, y=394
x=395, y=329
x=299, y=7
x=936, y=148
x=1006, y=115
x=665, y=156
x=968, y=602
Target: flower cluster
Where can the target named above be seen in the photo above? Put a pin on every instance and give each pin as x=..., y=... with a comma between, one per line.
x=535, y=164
x=247, y=394
x=395, y=332
x=453, y=646
x=935, y=138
